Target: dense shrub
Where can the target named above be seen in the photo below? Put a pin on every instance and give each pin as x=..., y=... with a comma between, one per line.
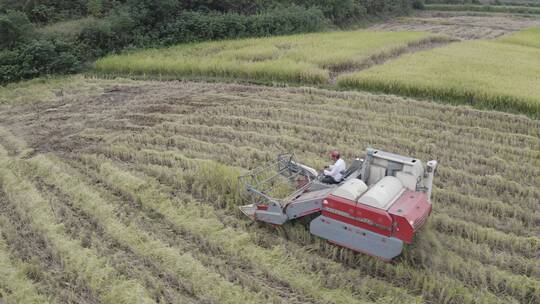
x=453, y=2
x=418, y=4
x=38, y=57
x=14, y=28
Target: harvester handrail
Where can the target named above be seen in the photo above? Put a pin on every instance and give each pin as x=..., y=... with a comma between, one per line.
x=286, y=168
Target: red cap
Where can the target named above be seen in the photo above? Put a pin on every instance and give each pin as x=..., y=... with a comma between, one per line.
x=335, y=154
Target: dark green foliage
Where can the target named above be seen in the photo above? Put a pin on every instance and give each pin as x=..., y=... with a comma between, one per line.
x=14, y=28
x=37, y=58
x=124, y=24
x=197, y=26
x=453, y=2
x=418, y=4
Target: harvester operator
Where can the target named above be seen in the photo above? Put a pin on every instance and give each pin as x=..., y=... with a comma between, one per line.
x=333, y=174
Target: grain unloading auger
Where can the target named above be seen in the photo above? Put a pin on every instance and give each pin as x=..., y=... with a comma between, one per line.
x=381, y=203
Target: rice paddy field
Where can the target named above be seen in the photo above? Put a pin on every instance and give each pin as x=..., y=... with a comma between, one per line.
x=497, y=74
x=124, y=191
x=305, y=58
x=502, y=74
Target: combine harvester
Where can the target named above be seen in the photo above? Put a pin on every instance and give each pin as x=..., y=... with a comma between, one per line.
x=380, y=204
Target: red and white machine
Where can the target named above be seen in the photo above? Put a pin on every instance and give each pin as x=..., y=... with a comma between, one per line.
x=380, y=204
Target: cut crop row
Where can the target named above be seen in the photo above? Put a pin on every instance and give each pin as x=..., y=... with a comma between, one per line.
x=129, y=212
x=205, y=284
x=15, y=286
x=101, y=278
x=42, y=264
x=160, y=284
x=479, y=157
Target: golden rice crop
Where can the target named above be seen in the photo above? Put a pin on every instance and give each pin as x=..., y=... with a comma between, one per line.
x=307, y=58
x=527, y=37
x=483, y=74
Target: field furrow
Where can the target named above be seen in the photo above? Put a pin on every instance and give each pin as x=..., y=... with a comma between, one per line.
x=105, y=283
x=15, y=286
x=43, y=265
x=206, y=285
x=161, y=285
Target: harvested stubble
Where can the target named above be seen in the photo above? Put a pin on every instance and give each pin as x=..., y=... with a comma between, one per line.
x=15, y=287
x=206, y=285
x=173, y=152
x=102, y=279
x=305, y=58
